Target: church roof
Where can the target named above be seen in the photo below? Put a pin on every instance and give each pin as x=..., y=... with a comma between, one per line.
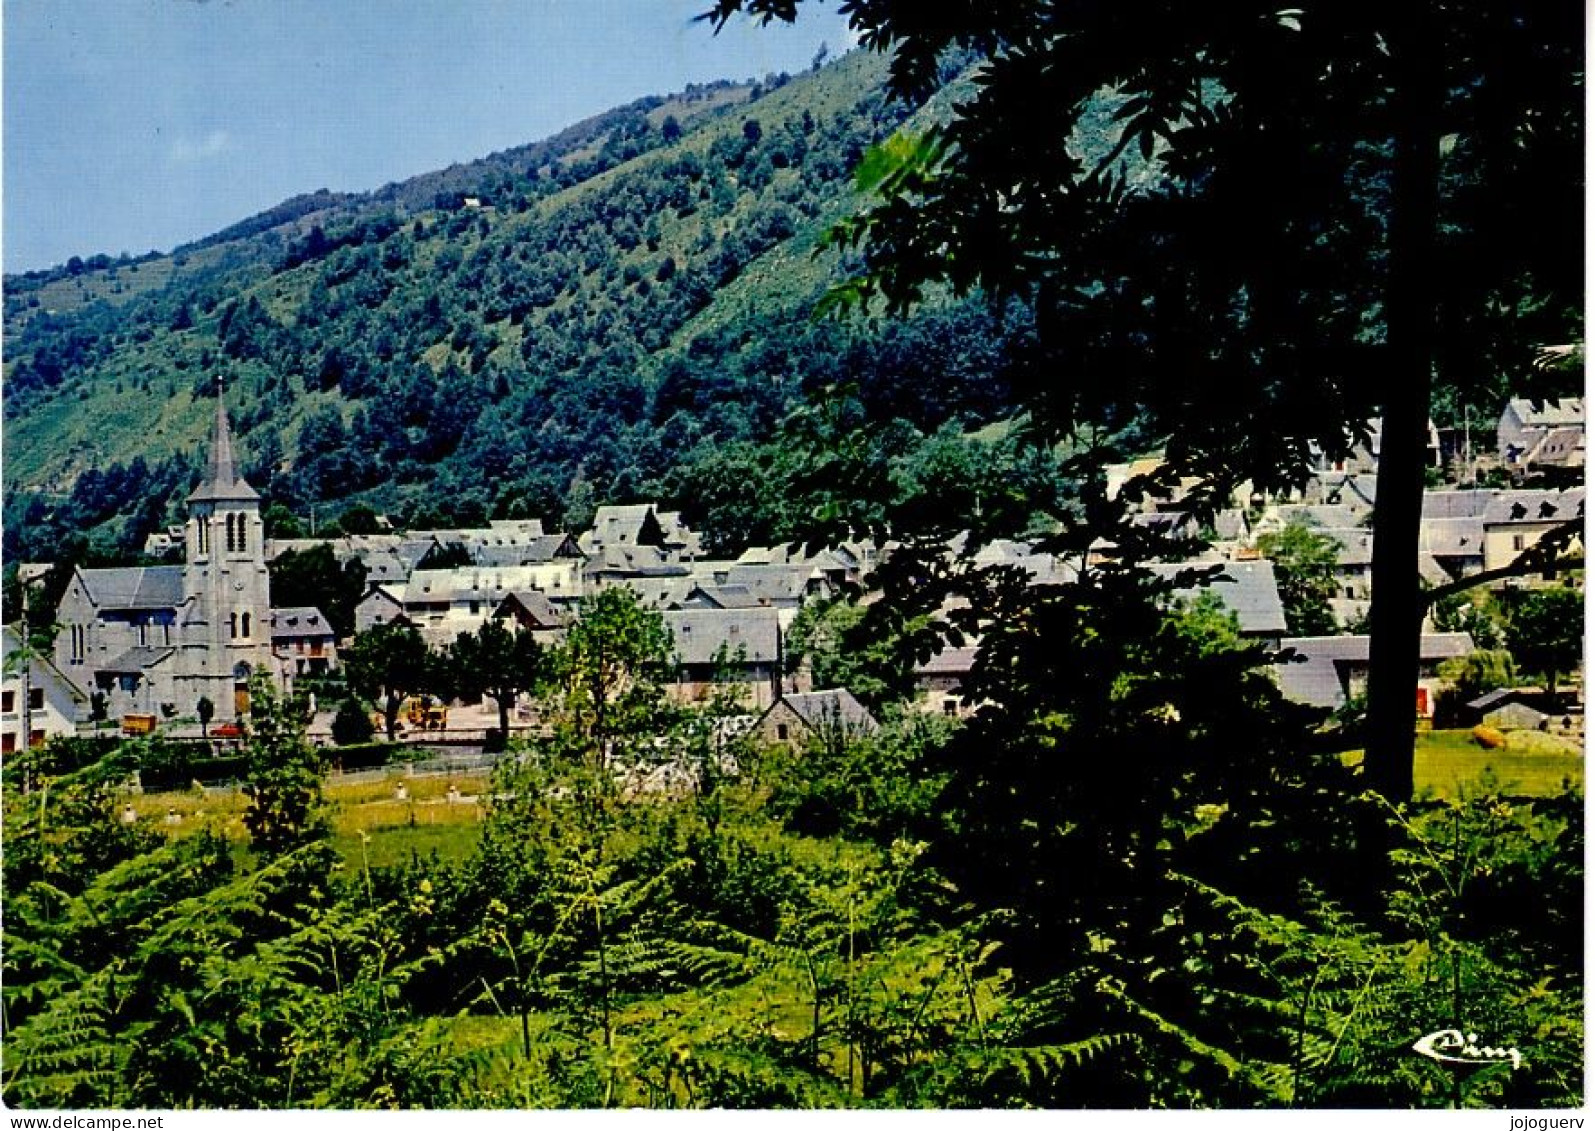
x=137, y=659
x=134, y=587
x=222, y=483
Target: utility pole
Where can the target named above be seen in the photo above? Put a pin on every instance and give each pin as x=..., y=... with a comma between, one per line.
x=1467, y=445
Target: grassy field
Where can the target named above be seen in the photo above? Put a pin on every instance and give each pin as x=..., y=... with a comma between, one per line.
x=1449, y=764
x=373, y=827
x=426, y=822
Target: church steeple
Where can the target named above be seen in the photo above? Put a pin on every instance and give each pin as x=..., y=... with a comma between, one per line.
x=227, y=589
x=222, y=483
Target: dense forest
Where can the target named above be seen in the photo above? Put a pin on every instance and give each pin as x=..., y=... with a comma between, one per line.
x=621, y=312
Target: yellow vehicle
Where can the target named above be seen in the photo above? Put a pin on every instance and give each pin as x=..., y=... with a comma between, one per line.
x=138, y=724
x=425, y=715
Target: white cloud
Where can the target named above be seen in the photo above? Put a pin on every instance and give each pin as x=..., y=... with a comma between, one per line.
x=186, y=150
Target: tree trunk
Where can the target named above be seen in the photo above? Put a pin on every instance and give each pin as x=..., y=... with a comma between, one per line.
x=504, y=699
x=1395, y=617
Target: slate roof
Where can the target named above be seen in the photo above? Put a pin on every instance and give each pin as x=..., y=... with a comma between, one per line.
x=1456, y=504
x=700, y=633
x=276, y=547
x=41, y=667
x=1248, y=589
x=1353, y=545
x=136, y=659
x=1318, y=679
x=1329, y=516
x=949, y=661
x=134, y=587
x=296, y=623
x=384, y=565
x=772, y=582
x=1550, y=414
x=722, y=597
x=1535, y=507
x=624, y=525
x=642, y=561
x=536, y=605
x=1453, y=537
x=1350, y=490
x=659, y=592
x=828, y=708
x=1559, y=447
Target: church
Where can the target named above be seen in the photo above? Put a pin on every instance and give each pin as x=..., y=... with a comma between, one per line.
x=155, y=640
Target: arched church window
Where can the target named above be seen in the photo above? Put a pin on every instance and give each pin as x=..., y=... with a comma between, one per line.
x=203, y=525
x=232, y=626
x=242, y=521
x=246, y=625
x=230, y=522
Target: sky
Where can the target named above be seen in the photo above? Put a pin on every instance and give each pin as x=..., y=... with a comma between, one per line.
x=137, y=125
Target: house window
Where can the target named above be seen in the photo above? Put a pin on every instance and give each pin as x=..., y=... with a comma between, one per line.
x=35, y=698
x=949, y=706
x=8, y=702
x=1517, y=541
x=781, y=731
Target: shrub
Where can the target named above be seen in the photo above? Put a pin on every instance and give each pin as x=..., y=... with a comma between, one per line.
x=351, y=726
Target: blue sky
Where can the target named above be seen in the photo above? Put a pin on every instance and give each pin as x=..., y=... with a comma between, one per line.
x=140, y=124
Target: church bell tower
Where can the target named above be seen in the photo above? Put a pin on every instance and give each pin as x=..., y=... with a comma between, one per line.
x=227, y=626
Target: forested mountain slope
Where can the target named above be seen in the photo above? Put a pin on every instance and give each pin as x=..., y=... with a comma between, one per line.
x=602, y=315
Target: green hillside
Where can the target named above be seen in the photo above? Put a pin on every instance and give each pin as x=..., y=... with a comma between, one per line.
x=564, y=323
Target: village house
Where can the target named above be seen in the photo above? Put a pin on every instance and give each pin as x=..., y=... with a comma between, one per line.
x=1543, y=438
x=624, y=526
x=616, y=564
x=714, y=648
x=382, y=604
x=939, y=682
x=1527, y=708
x=1363, y=458
x=829, y=719
x=1516, y=520
x=529, y=610
x=55, y=703
x=1333, y=670
x=1247, y=589
x=443, y=603
x=303, y=642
